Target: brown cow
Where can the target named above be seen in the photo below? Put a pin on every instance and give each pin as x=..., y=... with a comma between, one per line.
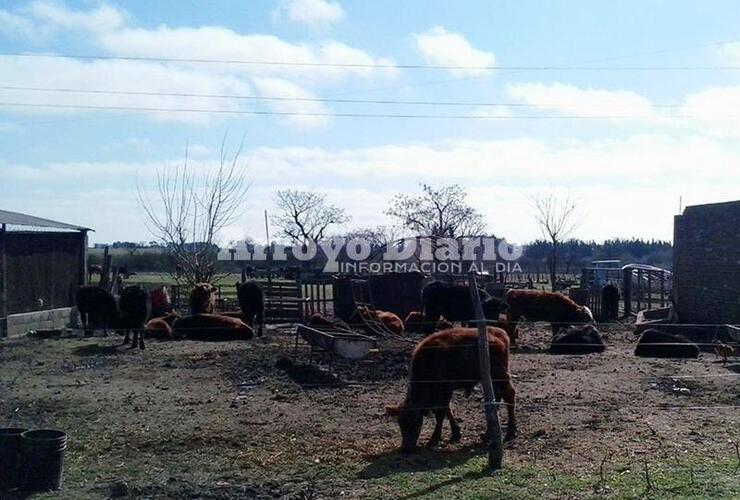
x=158, y=328
x=537, y=305
x=389, y=320
x=202, y=298
x=443, y=363
x=212, y=327
x=414, y=322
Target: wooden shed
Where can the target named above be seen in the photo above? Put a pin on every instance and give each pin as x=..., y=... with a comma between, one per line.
x=42, y=262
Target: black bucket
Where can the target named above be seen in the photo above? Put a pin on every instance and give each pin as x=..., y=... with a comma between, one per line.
x=43, y=459
x=10, y=458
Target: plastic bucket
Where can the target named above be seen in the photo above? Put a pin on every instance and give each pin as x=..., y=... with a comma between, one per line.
x=43, y=459
x=10, y=458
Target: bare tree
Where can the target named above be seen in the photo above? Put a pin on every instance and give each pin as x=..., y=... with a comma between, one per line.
x=557, y=220
x=190, y=211
x=305, y=215
x=441, y=212
x=377, y=236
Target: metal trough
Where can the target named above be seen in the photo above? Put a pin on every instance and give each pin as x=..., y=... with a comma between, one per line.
x=349, y=345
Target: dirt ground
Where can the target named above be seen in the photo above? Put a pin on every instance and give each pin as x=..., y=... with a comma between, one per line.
x=227, y=420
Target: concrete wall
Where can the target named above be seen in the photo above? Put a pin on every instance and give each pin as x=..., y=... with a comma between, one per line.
x=706, y=263
x=20, y=324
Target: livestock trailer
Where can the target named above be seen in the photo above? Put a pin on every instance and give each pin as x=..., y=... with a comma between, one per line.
x=42, y=262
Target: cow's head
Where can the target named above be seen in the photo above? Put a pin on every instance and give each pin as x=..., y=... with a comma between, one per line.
x=410, y=421
x=588, y=316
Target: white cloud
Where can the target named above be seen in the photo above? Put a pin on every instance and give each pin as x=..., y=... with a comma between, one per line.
x=121, y=75
x=13, y=25
x=715, y=109
x=440, y=47
x=218, y=43
x=100, y=19
x=313, y=13
x=283, y=88
x=730, y=52
x=576, y=101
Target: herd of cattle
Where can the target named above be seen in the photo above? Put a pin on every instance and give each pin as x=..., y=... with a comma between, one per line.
x=444, y=360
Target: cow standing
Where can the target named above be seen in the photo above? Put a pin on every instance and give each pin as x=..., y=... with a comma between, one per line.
x=454, y=303
x=536, y=305
x=252, y=303
x=135, y=307
x=97, y=308
x=443, y=363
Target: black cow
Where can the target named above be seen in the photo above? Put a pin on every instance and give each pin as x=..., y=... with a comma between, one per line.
x=97, y=308
x=454, y=303
x=135, y=306
x=609, y=302
x=252, y=303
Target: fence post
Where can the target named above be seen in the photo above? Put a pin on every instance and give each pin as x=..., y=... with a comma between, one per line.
x=3, y=281
x=493, y=428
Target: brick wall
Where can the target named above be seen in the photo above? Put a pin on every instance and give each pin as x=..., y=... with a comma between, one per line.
x=706, y=263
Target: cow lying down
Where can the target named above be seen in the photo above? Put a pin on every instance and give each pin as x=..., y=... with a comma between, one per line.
x=211, y=327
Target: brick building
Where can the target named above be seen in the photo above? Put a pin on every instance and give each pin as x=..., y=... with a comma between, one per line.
x=706, y=263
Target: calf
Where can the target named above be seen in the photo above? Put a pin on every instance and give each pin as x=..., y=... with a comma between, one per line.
x=413, y=322
x=536, y=305
x=443, y=363
x=158, y=328
x=454, y=303
x=390, y=321
x=135, y=307
x=252, y=303
x=319, y=321
x=202, y=298
x=212, y=327
x=97, y=308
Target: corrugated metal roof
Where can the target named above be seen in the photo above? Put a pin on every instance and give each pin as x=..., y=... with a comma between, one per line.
x=16, y=219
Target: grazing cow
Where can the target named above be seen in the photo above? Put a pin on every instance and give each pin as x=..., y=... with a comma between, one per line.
x=443, y=363
x=212, y=327
x=94, y=269
x=454, y=303
x=658, y=344
x=609, y=302
x=97, y=308
x=158, y=328
x=555, y=308
x=252, y=303
x=161, y=302
x=414, y=322
x=135, y=307
x=202, y=298
x=319, y=321
x=389, y=320
x=577, y=339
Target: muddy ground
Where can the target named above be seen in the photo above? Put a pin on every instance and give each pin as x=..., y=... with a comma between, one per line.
x=226, y=420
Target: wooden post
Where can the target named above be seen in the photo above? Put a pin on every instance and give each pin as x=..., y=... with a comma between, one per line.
x=3, y=281
x=105, y=273
x=493, y=428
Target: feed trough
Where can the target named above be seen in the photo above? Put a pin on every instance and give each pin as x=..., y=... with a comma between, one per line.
x=347, y=344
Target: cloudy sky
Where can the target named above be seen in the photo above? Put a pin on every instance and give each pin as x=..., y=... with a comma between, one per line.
x=626, y=106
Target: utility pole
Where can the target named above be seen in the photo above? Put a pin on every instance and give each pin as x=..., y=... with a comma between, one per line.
x=493, y=428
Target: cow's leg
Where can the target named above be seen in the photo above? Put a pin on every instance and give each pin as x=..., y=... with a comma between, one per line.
x=454, y=426
x=260, y=319
x=509, y=397
x=126, y=337
x=439, y=418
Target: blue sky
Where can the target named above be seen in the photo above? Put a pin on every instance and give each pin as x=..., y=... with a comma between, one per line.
x=661, y=135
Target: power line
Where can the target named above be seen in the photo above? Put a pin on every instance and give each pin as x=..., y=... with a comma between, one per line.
x=371, y=65
x=147, y=109
x=292, y=99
